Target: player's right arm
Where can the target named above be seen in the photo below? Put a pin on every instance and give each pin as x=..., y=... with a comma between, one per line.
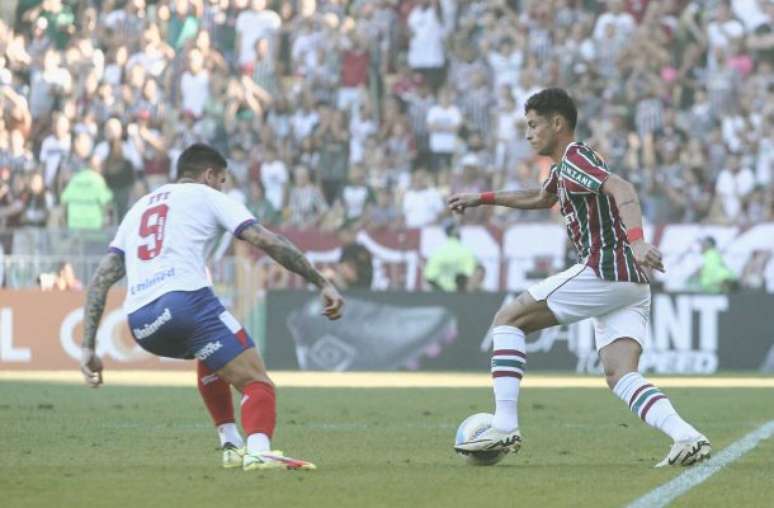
x=281, y=250
x=110, y=270
x=527, y=199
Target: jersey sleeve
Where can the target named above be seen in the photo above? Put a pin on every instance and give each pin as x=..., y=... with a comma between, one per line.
x=230, y=214
x=585, y=169
x=118, y=245
x=550, y=184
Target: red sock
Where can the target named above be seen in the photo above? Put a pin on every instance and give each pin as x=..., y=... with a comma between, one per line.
x=259, y=409
x=216, y=394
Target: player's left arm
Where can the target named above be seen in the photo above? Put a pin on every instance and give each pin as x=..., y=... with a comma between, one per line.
x=628, y=204
x=110, y=270
x=281, y=250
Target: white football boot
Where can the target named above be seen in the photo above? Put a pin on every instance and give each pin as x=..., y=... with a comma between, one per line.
x=688, y=453
x=232, y=456
x=492, y=440
x=274, y=460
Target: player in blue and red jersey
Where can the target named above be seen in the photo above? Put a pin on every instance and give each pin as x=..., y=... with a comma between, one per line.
x=162, y=246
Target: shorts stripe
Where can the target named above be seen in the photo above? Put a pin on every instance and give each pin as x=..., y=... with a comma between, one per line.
x=241, y=336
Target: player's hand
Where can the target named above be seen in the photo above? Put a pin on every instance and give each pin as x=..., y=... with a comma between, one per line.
x=333, y=303
x=91, y=367
x=459, y=202
x=647, y=255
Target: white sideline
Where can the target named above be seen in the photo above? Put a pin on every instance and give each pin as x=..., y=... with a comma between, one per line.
x=668, y=492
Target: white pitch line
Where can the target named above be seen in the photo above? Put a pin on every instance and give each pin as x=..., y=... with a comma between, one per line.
x=665, y=494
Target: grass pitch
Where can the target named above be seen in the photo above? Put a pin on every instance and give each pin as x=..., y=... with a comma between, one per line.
x=119, y=446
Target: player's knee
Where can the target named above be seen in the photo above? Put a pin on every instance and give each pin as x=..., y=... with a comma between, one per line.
x=613, y=374
x=511, y=315
x=248, y=378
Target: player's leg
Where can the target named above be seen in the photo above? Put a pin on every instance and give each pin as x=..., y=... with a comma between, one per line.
x=247, y=373
x=509, y=358
x=509, y=354
x=619, y=335
x=216, y=394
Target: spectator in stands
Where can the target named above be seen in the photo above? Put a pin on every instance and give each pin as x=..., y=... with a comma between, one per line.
x=426, y=49
x=194, y=85
x=274, y=178
x=250, y=78
x=260, y=206
x=422, y=204
x=118, y=159
x=733, y=188
x=332, y=138
x=715, y=276
x=306, y=205
x=384, y=213
x=55, y=149
x=87, y=199
x=443, y=123
x=354, y=269
x=183, y=23
x=37, y=202
x=356, y=198
x=451, y=265
x=475, y=282
x=253, y=24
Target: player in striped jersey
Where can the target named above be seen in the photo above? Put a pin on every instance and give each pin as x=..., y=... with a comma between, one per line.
x=608, y=284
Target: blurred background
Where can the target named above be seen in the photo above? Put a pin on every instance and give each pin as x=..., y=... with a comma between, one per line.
x=347, y=123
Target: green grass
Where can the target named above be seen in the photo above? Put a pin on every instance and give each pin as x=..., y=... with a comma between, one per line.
x=66, y=446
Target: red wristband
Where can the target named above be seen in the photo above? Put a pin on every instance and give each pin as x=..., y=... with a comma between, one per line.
x=487, y=198
x=634, y=234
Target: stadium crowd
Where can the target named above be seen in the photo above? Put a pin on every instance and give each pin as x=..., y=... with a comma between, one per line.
x=369, y=113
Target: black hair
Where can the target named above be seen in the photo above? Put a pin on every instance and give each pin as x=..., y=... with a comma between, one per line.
x=554, y=101
x=197, y=158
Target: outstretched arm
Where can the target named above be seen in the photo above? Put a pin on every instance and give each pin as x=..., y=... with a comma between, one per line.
x=526, y=199
x=285, y=253
x=628, y=204
x=110, y=270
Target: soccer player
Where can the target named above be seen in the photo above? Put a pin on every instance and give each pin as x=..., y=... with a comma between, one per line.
x=161, y=246
x=604, y=222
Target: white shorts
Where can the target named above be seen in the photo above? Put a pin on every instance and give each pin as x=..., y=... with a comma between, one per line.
x=619, y=309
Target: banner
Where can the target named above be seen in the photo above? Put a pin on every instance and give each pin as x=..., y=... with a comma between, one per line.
x=43, y=330
x=391, y=330
x=689, y=334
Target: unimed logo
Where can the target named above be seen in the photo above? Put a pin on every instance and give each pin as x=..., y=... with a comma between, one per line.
x=207, y=350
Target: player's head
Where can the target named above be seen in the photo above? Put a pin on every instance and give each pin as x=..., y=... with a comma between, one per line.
x=551, y=114
x=204, y=164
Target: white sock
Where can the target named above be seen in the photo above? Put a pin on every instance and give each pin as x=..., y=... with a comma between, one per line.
x=508, y=362
x=650, y=404
x=229, y=433
x=258, y=443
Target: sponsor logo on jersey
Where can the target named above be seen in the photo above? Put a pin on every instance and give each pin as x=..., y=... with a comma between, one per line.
x=207, y=350
x=579, y=177
x=152, y=327
x=157, y=278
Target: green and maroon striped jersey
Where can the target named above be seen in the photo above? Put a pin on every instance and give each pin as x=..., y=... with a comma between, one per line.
x=592, y=219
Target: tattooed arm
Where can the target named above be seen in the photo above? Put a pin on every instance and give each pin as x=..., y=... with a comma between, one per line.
x=110, y=270
x=285, y=253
